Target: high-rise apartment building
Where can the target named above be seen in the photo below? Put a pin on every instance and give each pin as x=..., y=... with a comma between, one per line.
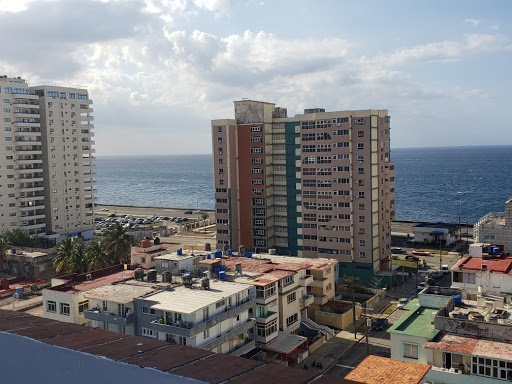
x=46, y=160
x=317, y=184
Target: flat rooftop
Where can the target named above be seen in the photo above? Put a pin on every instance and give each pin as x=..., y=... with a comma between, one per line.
x=143, y=352
x=285, y=343
x=418, y=321
x=382, y=370
x=88, y=285
x=189, y=300
x=494, y=265
x=119, y=293
x=471, y=346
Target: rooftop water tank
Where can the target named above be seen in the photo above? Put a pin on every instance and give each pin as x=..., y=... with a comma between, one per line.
x=179, y=251
x=229, y=252
x=152, y=275
x=145, y=243
x=166, y=277
x=248, y=255
x=222, y=275
x=138, y=274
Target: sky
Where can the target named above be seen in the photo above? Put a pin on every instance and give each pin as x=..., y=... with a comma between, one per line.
x=159, y=70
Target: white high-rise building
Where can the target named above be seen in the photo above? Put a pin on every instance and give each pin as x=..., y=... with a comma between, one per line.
x=47, y=181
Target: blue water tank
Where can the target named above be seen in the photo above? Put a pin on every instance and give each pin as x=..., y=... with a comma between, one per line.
x=19, y=291
x=208, y=256
x=496, y=251
x=229, y=252
x=216, y=270
x=222, y=267
x=218, y=254
x=248, y=255
x=457, y=299
x=179, y=251
x=222, y=275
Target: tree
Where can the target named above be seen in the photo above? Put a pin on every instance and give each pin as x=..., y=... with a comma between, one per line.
x=3, y=254
x=204, y=217
x=118, y=244
x=350, y=283
x=77, y=261
x=62, y=259
x=96, y=255
x=20, y=238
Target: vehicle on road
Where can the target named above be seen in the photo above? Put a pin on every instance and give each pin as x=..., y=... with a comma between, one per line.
x=398, y=251
x=412, y=258
x=420, y=252
x=189, y=212
x=421, y=286
x=395, y=257
x=445, y=268
x=104, y=209
x=401, y=303
x=112, y=215
x=379, y=324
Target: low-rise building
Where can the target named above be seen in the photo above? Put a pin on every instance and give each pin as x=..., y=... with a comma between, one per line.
x=215, y=315
x=180, y=261
x=144, y=255
x=483, y=275
x=466, y=342
x=111, y=306
x=381, y=370
x=496, y=228
x=30, y=263
x=435, y=233
x=65, y=300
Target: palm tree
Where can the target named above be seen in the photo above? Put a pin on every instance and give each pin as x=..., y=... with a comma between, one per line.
x=96, y=255
x=350, y=283
x=64, y=249
x=77, y=261
x=118, y=244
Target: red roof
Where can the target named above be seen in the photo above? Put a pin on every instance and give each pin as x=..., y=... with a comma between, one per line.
x=493, y=265
x=471, y=346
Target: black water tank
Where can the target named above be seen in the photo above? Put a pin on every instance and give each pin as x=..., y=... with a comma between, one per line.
x=156, y=241
x=152, y=275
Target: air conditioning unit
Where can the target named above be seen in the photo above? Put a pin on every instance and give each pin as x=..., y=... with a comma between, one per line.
x=338, y=125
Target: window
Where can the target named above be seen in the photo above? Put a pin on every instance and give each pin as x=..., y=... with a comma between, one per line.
x=266, y=330
x=287, y=280
x=360, y=145
x=51, y=306
x=148, y=311
x=291, y=297
x=410, y=350
x=360, y=171
x=257, y=181
x=7, y=119
x=257, y=171
x=362, y=243
x=292, y=319
x=256, y=139
x=257, y=160
x=149, y=333
x=219, y=129
x=5, y=101
x=82, y=306
x=206, y=333
x=361, y=219
x=256, y=150
x=255, y=129
x=257, y=192
x=360, y=133
x=64, y=309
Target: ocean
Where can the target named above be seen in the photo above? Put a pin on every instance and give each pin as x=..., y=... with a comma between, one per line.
x=432, y=184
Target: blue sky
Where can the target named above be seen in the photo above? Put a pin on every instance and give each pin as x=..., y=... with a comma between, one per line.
x=160, y=70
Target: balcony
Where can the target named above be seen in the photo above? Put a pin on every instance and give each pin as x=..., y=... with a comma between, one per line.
x=229, y=335
x=31, y=189
x=28, y=171
x=266, y=317
x=27, y=133
x=27, y=115
x=108, y=317
x=33, y=217
x=28, y=142
x=25, y=105
x=30, y=179
x=29, y=161
x=188, y=329
x=306, y=300
x=33, y=226
x=24, y=208
x=306, y=280
x=30, y=198
x=320, y=299
x=25, y=96
x=319, y=283
x=29, y=151
x=22, y=124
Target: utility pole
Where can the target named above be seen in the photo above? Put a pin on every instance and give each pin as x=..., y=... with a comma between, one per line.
x=440, y=254
x=366, y=322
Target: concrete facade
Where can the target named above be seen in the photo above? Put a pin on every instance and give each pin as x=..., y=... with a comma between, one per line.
x=320, y=184
x=47, y=163
x=496, y=228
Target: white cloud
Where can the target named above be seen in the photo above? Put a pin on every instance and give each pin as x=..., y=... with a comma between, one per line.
x=473, y=22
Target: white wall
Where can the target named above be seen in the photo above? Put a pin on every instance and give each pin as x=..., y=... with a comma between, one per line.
x=424, y=355
x=64, y=297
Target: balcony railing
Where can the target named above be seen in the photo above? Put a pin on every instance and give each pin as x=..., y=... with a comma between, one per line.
x=306, y=300
x=109, y=317
x=229, y=335
x=306, y=280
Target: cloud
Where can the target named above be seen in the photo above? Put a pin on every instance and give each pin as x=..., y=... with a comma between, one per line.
x=473, y=22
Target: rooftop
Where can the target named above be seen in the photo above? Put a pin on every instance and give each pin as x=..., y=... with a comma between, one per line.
x=471, y=346
x=419, y=321
x=119, y=293
x=139, y=352
x=188, y=300
x=85, y=282
x=495, y=265
x=285, y=342
x=380, y=370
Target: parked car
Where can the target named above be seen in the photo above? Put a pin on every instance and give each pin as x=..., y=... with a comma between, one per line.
x=395, y=257
x=401, y=303
x=445, y=268
x=412, y=258
x=420, y=252
x=104, y=209
x=421, y=286
x=112, y=215
x=379, y=324
x=189, y=212
x=398, y=251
